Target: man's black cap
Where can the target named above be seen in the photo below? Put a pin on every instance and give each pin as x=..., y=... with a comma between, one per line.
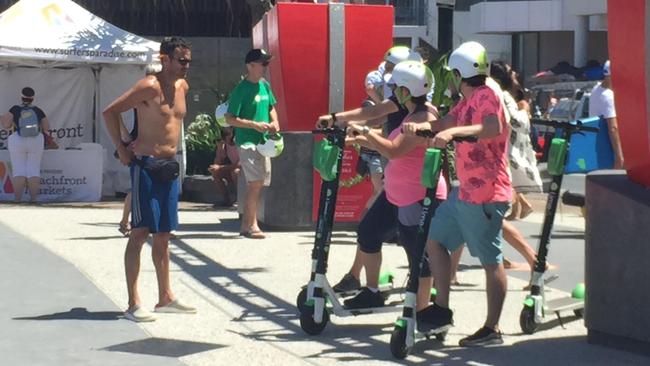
x=257, y=55
x=28, y=92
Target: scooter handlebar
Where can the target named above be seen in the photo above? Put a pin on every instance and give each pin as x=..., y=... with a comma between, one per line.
x=328, y=131
x=576, y=126
x=431, y=134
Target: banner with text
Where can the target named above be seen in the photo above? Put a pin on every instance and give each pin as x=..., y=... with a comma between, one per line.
x=66, y=175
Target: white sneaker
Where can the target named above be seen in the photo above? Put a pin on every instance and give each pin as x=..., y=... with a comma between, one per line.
x=139, y=314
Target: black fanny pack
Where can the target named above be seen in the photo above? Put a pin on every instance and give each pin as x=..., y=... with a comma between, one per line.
x=160, y=170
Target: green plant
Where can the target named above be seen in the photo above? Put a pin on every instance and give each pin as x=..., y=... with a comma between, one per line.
x=442, y=76
x=443, y=101
x=202, y=134
x=201, y=139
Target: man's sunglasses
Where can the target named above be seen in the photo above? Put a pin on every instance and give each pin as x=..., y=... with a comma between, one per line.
x=183, y=61
x=265, y=63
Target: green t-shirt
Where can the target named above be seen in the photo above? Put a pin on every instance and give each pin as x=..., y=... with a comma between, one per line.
x=252, y=101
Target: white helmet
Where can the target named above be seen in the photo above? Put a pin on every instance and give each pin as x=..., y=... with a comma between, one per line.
x=470, y=59
x=413, y=75
x=398, y=54
x=272, y=147
x=220, y=114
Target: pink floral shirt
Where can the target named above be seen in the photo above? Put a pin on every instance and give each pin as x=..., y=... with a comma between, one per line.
x=482, y=167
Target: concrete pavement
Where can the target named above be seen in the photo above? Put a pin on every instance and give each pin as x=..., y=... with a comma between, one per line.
x=245, y=292
x=53, y=315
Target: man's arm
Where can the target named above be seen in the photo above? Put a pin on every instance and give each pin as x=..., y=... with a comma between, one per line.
x=612, y=128
x=141, y=91
x=446, y=122
x=274, y=125
x=490, y=127
x=245, y=123
x=371, y=112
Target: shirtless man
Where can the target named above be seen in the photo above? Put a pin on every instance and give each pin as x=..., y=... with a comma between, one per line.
x=160, y=102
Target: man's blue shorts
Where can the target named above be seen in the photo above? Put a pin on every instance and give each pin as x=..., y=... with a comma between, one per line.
x=154, y=205
x=478, y=225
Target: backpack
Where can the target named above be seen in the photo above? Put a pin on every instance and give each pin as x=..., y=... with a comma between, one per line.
x=28, y=124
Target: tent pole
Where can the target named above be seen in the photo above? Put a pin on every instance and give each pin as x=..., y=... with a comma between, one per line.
x=97, y=119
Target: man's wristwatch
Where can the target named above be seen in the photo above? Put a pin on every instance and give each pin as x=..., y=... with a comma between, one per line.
x=365, y=130
x=333, y=117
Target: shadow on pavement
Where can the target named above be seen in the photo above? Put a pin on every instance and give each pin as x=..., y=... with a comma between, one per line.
x=332, y=242
x=229, y=284
x=163, y=347
x=91, y=238
x=76, y=314
x=359, y=341
x=213, y=235
x=225, y=225
x=544, y=351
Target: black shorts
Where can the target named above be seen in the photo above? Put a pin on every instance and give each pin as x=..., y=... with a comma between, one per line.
x=380, y=224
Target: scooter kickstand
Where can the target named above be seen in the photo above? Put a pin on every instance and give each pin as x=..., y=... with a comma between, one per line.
x=559, y=318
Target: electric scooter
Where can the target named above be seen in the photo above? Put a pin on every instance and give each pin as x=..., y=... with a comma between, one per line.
x=536, y=307
x=318, y=299
x=404, y=334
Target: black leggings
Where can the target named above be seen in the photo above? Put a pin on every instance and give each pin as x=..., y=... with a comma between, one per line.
x=380, y=224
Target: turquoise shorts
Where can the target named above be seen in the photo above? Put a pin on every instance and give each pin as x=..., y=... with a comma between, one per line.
x=478, y=225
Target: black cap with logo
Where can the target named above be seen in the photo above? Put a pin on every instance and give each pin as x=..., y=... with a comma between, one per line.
x=257, y=55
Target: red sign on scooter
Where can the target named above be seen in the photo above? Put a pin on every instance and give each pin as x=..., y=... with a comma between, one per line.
x=352, y=198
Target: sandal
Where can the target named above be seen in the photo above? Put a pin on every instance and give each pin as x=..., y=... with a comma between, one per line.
x=125, y=229
x=176, y=307
x=253, y=234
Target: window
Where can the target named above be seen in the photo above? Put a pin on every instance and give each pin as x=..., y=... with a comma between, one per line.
x=410, y=12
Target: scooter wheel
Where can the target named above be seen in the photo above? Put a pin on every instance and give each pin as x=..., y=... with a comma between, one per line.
x=527, y=320
x=308, y=324
x=398, y=343
x=579, y=312
x=301, y=299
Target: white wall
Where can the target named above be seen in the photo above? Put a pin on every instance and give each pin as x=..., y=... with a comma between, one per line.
x=499, y=46
x=536, y=16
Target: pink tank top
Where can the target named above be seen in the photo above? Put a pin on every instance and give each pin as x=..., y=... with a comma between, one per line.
x=402, y=176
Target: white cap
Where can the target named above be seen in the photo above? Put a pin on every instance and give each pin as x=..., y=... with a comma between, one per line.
x=374, y=78
x=606, y=69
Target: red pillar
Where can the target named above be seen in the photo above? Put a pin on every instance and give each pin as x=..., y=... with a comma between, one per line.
x=297, y=35
x=630, y=56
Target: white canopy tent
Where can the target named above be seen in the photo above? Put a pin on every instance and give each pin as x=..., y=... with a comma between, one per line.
x=77, y=63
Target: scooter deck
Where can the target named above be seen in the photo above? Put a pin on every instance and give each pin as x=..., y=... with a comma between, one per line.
x=564, y=304
x=366, y=311
x=386, y=289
